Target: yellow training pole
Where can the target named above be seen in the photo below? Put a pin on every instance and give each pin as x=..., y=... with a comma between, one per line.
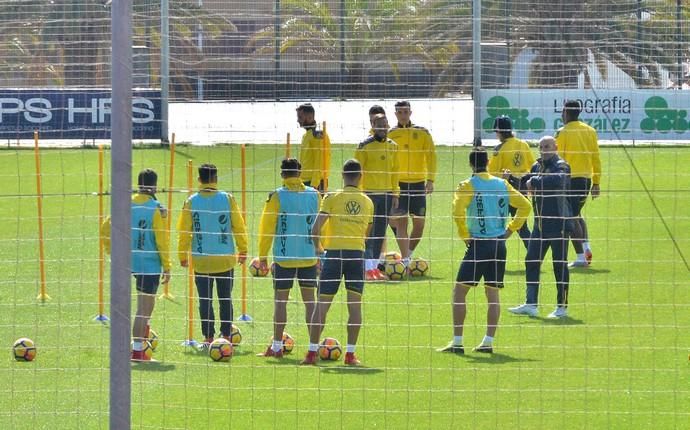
x=324, y=168
x=243, y=152
x=190, y=271
x=166, y=287
x=101, y=257
x=287, y=146
x=43, y=296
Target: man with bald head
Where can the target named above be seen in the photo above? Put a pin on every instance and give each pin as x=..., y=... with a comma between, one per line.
x=549, y=185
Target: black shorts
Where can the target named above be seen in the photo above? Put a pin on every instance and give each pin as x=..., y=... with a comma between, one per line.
x=579, y=190
x=412, y=199
x=283, y=276
x=147, y=283
x=484, y=258
x=339, y=263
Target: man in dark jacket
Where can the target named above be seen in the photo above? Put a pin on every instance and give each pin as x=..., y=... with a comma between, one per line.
x=548, y=182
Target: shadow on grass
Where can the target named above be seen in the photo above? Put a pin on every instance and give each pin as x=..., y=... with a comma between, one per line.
x=561, y=321
x=352, y=370
x=156, y=366
x=495, y=358
x=587, y=271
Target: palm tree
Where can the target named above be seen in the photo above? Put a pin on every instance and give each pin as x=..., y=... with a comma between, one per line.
x=376, y=34
x=67, y=43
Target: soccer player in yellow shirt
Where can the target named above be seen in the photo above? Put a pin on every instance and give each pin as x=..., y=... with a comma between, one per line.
x=286, y=222
x=578, y=145
x=315, y=150
x=512, y=159
x=150, y=255
x=379, y=159
x=417, y=160
x=211, y=227
x=343, y=223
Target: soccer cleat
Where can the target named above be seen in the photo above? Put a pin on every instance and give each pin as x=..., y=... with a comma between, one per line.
x=351, y=359
x=310, y=359
x=206, y=343
x=370, y=275
x=579, y=263
x=588, y=256
x=559, y=312
x=380, y=275
x=486, y=349
x=455, y=349
x=271, y=353
x=525, y=309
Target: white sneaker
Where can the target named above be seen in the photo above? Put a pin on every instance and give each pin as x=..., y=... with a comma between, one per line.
x=559, y=312
x=525, y=309
x=579, y=263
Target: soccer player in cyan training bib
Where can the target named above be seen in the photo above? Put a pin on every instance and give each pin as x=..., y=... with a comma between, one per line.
x=212, y=228
x=344, y=221
x=150, y=255
x=480, y=210
x=286, y=221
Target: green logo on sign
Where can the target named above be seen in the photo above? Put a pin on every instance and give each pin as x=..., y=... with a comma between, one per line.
x=662, y=119
x=499, y=105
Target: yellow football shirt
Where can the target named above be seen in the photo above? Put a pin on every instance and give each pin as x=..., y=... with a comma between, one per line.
x=513, y=154
x=416, y=153
x=380, y=166
x=350, y=214
x=578, y=146
x=315, y=156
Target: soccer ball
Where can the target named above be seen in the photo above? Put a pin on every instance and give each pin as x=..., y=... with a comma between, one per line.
x=288, y=343
x=419, y=267
x=146, y=348
x=235, y=335
x=330, y=349
x=392, y=256
x=395, y=270
x=24, y=349
x=220, y=350
x=255, y=268
x=153, y=339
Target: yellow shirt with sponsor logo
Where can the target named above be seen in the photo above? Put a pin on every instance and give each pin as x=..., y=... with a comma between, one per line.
x=269, y=220
x=579, y=147
x=416, y=153
x=513, y=154
x=159, y=231
x=315, y=156
x=211, y=263
x=380, y=166
x=350, y=214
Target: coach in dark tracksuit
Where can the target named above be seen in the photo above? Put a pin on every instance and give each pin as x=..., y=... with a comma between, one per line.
x=548, y=182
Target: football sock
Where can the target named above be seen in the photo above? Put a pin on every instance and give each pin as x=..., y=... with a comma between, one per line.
x=488, y=340
x=586, y=245
x=580, y=257
x=406, y=262
x=457, y=340
x=370, y=264
x=350, y=348
x=137, y=345
x=276, y=345
x=313, y=347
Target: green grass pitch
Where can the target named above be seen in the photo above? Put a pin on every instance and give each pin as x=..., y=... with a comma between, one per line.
x=620, y=361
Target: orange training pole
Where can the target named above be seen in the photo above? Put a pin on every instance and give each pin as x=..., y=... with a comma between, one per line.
x=166, y=287
x=323, y=158
x=287, y=146
x=190, y=271
x=43, y=296
x=243, y=152
x=101, y=257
